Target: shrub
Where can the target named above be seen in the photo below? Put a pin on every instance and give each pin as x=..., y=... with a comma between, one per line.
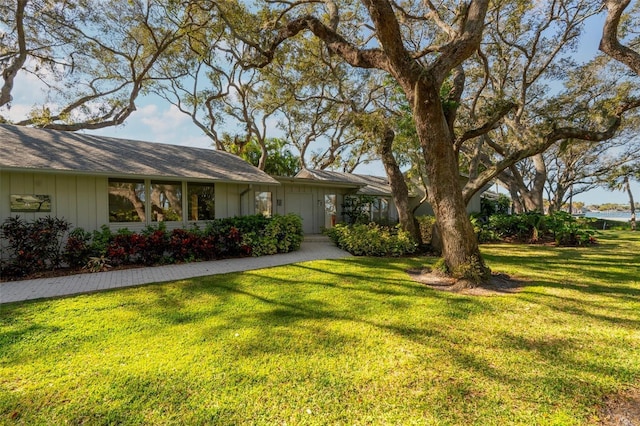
x=490, y=207
x=281, y=234
x=154, y=244
x=33, y=246
x=191, y=245
x=561, y=227
x=567, y=231
x=78, y=249
x=233, y=237
x=100, y=240
x=356, y=208
x=38, y=245
x=372, y=240
x=484, y=233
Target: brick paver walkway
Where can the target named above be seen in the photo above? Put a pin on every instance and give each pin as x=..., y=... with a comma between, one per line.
x=14, y=291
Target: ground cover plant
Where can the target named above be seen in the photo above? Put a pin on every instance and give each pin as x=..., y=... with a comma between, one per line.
x=352, y=341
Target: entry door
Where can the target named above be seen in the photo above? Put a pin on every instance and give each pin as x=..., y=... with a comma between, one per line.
x=301, y=203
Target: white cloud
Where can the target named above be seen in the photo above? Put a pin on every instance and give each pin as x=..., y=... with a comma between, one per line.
x=162, y=122
x=159, y=122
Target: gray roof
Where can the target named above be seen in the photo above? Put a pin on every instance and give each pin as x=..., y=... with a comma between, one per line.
x=25, y=148
x=366, y=184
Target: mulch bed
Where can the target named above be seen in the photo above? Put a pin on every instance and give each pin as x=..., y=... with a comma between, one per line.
x=499, y=284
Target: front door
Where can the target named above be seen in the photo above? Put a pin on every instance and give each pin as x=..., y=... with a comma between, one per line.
x=301, y=203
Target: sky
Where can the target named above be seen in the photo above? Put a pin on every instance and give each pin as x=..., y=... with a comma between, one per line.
x=157, y=121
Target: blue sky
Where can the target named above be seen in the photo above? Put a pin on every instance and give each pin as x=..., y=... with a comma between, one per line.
x=157, y=121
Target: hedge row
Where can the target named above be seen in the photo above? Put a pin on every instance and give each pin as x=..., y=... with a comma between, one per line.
x=46, y=244
x=372, y=239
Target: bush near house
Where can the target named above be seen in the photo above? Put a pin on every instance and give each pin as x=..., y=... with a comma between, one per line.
x=40, y=245
x=372, y=239
x=34, y=246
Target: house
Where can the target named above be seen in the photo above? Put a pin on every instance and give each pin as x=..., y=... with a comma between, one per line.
x=95, y=180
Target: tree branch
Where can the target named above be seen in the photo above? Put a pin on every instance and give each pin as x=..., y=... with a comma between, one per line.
x=361, y=58
x=610, y=44
x=461, y=47
x=9, y=73
x=555, y=135
x=489, y=125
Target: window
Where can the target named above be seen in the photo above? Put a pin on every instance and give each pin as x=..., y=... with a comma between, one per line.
x=384, y=209
x=374, y=210
x=126, y=200
x=330, y=210
x=263, y=203
x=202, y=201
x=166, y=201
x=380, y=210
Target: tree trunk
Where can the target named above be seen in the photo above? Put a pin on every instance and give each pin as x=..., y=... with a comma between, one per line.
x=533, y=198
x=398, y=185
x=556, y=203
x=526, y=199
x=631, y=202
x=460, y=249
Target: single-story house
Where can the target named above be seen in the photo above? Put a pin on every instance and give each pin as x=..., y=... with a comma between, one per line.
x=94, y=180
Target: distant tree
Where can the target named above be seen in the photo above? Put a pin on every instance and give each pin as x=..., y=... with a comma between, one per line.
x=575, y=167
x=280, y=160
x=578, y=205
x=326, y=101
x=223, y=99
x=527, y=58
x=620, y=178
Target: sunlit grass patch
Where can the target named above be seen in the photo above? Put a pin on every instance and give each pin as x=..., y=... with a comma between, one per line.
x=352, y=341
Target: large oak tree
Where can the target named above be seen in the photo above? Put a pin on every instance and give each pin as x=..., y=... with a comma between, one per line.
x=419, y=65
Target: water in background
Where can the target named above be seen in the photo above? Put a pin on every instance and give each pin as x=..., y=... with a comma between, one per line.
x=611, y=215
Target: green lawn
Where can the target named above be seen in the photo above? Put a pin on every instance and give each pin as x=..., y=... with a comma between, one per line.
x=350, y=342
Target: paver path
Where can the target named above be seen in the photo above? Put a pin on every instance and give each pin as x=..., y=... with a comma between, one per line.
x=15, y=291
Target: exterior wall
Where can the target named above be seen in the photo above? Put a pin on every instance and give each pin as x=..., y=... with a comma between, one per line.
x=81, y=200
x=306, y=200
x=228, y=200
x=84, y=200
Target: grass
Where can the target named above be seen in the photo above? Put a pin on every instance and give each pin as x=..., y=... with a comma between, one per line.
x=352, y=341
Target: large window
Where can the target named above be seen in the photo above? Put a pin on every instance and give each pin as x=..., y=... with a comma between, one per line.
x=166, y=201
x=263, y=203
x=126, y=200
x=202, y=201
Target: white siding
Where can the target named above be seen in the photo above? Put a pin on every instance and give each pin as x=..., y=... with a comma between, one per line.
x=228, y=199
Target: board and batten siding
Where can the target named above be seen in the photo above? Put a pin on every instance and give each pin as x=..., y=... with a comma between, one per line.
x=81, y=200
